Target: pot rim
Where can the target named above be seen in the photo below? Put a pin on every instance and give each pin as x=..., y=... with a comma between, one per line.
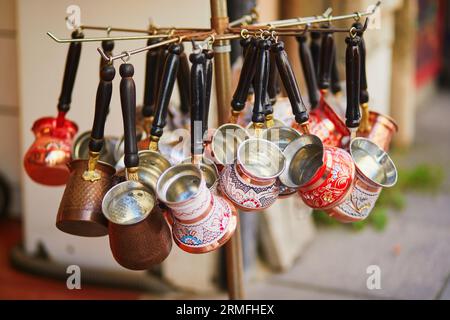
x=219, y=129
x=380, y=154
x=271, y=145
x=133, y=186
x=159, y=187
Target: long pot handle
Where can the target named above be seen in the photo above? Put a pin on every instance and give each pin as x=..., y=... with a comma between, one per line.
x=308, y=70
x=268, y=105
x=208, y=69
x=128, y=102
x=335, y=84
x=364, y=125
x=183, y=80
x=260, y=83
x=352, y=73
x=72, y=61
x=273, y=86
x=165, y=91
x=150, y=83
x=326, y=57
x=246, y=76
x=161, y=56
x=198, y=82
x=290, y=84
x=102, y=100
x=314, y=46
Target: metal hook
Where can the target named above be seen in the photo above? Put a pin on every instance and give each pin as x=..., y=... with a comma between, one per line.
x=358, y=16
x=353, y=32
x=128, y=57
x=108, y=30
x=274, y=36
x=305, y=29
x=244, y=34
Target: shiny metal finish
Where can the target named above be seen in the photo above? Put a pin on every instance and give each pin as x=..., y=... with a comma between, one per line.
x=151, y=165
x=209, y=171
x=225, y=142
x=281, y=136
x=373, y=163
x=179, y=184
x=260, y=159
x=382, y=129
x=128, y=203
x=304, y=157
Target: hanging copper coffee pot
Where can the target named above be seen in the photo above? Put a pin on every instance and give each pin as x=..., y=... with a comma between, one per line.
x=139, y=236
x=80, y=210
x=46, y=159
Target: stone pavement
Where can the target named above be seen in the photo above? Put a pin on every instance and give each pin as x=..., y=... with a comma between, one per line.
x=413, y=252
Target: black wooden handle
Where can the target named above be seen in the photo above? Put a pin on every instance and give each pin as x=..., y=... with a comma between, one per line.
x=102, y=101
x=161, y=57
x=245, y=78
x=198, y=82
x=183, y=78
x=268, y=106
x=308, y=70
x=128, y=102
x=326, y=56
x=169, y=75
x=364, y=93
x=335, y=85
x=150, y=79
x=209, y=55
x=290, y=83
x=273, y=86
x=352, y=73
x=260, y=81
x=70, y=72
x=108, y=47
x=315, y=49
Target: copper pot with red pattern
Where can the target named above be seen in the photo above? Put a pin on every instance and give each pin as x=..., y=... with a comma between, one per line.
x=46, y=159
x=374, y=171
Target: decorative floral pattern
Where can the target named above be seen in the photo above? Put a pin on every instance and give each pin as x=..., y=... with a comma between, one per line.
x=335, y=185
x=193, y=208
x=208, y=231
x=244, y=194
x=358, y=204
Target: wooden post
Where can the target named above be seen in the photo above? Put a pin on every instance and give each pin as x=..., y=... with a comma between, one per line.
x=222, y=65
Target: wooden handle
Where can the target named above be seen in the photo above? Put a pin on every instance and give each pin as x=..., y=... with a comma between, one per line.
x=335, y=85
x=260, y=81
x=70, y=72
x=102, y=100
x=364, y=93
x=315, y=49
x=165, y=90
x=245, y=78
x=308, y=70
x=209, y=55
x=161, y=57
x=326, y=56
x=183, y=80
x=150, y=80
x=352, y=73
x=128, y=102
x=197, y=101
x=273, y=86
x=290, y=83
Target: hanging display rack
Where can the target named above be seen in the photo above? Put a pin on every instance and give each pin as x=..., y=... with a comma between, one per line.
x=218, y=35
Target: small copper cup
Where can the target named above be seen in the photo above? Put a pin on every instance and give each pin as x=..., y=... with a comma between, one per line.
x=379, y=129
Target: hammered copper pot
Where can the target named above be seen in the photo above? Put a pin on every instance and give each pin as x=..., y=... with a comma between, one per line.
x=80, y=210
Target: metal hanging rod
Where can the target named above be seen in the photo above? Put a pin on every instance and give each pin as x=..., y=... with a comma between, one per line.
x=246, y=19
x=150, y=36
x=305, y=21
x=276, y=23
